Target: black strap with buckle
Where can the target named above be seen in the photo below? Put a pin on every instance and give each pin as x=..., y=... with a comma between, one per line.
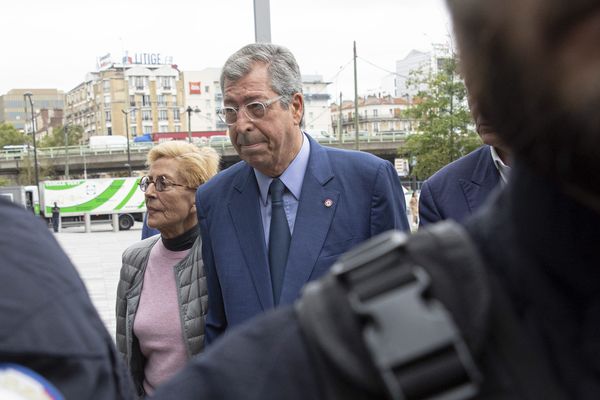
x=411, y=339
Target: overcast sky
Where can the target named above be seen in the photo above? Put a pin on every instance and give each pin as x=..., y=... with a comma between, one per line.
x=53, y=44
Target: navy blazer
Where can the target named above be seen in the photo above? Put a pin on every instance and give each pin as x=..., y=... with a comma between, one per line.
x=366, y=199
x=458, y=189
x=146, y=230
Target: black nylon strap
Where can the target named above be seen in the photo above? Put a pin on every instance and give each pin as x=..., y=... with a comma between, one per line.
x=408, y=340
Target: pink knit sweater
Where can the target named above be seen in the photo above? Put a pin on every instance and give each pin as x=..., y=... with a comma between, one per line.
x=157, y=323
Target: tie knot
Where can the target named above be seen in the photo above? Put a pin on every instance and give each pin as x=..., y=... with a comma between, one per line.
x=277, y=188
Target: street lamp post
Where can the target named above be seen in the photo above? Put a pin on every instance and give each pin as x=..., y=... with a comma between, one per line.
x=126, y=113
x=189, y=110
x=26, y=96
x=66, y=132
x=407, y=96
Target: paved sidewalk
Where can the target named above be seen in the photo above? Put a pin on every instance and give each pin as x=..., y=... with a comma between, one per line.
x=97, y=257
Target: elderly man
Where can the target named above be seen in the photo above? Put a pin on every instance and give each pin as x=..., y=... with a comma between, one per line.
x=283, y=215
x=520, y=280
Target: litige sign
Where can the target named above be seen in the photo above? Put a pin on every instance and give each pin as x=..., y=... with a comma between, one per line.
x=106, y=60
x=147, y=59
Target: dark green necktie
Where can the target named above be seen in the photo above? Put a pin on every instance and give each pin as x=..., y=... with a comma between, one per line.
x=279, y=238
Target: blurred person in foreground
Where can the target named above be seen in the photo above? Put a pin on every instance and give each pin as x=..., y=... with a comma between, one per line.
x=520, y=280
x=282, y=216
x=53, y=344
x=162, y=295
x=461, y=187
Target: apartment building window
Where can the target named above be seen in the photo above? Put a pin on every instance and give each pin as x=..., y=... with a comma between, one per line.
x=166, y=82
x=133, y=130
x=162, y=100
x=140, y=82
x=107, y=116
x=375, y=113
x=163, y=128
x=146, y=100
x=176, y=116
x=147, y=129
x=132, y=116
x=147, y=115
x=206, y=89
x=132, y=100
x=162, y=115
x=106, y=85
x=109, y=131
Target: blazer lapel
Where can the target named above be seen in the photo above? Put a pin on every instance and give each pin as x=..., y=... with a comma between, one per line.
x=484, y=179
x=315, y=213
x=247, y=222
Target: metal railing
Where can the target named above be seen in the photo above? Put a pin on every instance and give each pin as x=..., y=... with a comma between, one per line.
x=143, y=147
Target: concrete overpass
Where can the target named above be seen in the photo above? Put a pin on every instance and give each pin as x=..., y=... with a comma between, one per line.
x=114, y=161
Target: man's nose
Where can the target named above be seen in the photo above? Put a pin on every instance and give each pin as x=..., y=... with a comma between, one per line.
x=243, y=123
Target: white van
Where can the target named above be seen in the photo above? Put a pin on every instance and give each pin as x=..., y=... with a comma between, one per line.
x=108, y=142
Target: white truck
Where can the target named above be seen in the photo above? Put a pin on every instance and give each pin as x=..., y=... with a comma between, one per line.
x=99, y=198
x=107, y=142
x=26, y=196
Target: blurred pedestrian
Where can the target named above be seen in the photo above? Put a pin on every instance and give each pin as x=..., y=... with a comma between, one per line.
x=413, y=205
x=161, y=296
x=55, y=217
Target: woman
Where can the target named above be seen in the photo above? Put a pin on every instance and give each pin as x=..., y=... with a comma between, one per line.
x=161, y=297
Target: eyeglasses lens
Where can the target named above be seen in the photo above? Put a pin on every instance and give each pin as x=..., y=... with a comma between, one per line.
x=159, y=184
x=255, y=110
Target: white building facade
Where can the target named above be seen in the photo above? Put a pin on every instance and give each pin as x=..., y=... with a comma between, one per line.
x=416, y=60
x=203, y=95
x=317, y=112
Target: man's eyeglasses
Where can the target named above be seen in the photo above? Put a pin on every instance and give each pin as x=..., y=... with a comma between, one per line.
x=160, y=184
x=254, y=111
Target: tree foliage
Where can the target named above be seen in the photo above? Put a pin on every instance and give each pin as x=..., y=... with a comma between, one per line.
x=57, y=137
x=10, y=135
x=445, y=129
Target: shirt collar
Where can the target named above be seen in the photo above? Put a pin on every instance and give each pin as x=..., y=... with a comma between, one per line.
x=502, y=168
x=292, y=177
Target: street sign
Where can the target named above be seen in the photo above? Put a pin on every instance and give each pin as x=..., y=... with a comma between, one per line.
x=401, y=165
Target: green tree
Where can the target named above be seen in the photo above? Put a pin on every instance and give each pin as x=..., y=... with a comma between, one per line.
x=445, y=128
x=57, y=138
x=10, y=135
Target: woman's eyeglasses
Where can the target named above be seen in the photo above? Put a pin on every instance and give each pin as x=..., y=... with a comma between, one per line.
x=160, y=184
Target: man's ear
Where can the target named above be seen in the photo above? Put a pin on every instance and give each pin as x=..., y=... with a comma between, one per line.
x=297, y=107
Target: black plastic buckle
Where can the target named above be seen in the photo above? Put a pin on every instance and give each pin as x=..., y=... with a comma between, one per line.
x=413, y=340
